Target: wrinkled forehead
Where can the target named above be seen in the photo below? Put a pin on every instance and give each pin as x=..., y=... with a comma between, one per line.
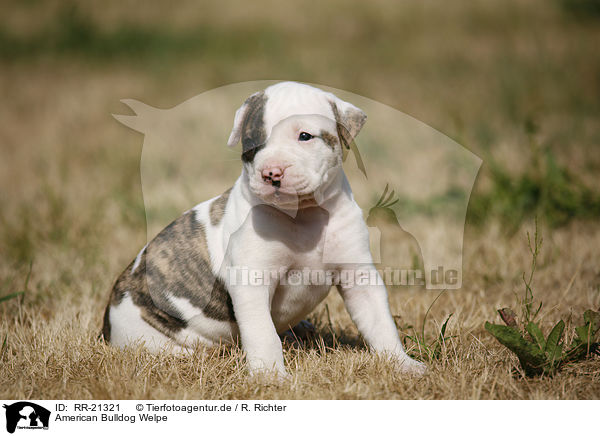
x=311, y=123
x=296, y=104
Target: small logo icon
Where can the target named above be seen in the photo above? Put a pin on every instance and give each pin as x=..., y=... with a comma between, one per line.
x=26, y=415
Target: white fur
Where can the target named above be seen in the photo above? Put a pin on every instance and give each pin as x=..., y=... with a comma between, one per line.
x=138, y=259
x=310, y=167
x=128, y=327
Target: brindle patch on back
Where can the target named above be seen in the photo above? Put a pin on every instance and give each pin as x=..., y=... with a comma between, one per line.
x=175, y=263
x=217, y=208
x=178, y=264
x=136, y=285
x=253, y=132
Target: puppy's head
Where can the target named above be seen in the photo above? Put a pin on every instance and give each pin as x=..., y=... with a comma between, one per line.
x=293, y=139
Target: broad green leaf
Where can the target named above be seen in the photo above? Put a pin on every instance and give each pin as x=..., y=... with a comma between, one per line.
x=554, y=337
x=592, y=318
x=537, y=335
x=583, y=333
x=531, y=357
x=588, y=335
x=589, y=331
x=555, y=358
x=577, y=351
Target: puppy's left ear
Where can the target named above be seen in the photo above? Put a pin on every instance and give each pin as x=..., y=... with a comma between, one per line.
x=349, y=118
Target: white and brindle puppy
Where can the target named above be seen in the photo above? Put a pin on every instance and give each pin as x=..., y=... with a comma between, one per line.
x=290, y=210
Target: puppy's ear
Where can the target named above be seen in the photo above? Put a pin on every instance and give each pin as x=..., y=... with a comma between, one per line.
x=349, y=119
x=238, y=121
x=252, y=110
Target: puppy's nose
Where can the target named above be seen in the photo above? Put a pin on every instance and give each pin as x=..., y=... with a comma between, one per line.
x=272, y=175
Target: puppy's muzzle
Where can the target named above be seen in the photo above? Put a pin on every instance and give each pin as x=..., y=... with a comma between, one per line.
x=273, y=175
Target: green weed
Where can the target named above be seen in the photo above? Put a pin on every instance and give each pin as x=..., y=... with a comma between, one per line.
x=430, y=349
x=547, y=189
x=75, y=33
x=19, y=293
x=539, y=354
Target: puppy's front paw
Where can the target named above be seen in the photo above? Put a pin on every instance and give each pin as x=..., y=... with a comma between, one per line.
x=271, y=375
x=268, y=373
x=411, y=366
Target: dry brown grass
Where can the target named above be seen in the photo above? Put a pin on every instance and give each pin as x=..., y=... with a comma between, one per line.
x=53, y=352
x=71, y=197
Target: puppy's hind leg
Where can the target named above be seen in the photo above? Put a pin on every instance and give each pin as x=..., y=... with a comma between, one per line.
x=127, y=327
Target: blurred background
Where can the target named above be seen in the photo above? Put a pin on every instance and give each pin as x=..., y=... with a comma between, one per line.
x=516, y=82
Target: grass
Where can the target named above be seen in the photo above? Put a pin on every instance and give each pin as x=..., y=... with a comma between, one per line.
x=515, y=84
x=546, y=188
x=52, y=350
x=74, y=33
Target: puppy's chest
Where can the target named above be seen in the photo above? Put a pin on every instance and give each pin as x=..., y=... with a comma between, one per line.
x=301, y=237
x=297, y=294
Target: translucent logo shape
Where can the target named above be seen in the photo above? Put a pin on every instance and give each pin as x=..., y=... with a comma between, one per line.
x=412, y=182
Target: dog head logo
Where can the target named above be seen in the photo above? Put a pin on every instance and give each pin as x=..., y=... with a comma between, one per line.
x=293, y=140
x=26, y=415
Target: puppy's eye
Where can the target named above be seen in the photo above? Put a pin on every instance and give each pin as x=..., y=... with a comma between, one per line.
x=305, y=136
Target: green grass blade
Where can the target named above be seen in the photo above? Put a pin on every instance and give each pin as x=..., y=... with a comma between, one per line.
x=443, y=329
x=427, y=313
x=10, y=296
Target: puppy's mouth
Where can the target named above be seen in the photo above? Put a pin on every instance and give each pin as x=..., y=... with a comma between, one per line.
x=302, y=201
x=285, y=198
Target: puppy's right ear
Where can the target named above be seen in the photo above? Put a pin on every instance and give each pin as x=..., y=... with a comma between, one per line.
x=238, y=121
x=253, y=107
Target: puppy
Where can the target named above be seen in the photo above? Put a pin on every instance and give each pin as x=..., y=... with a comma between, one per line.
x=250, y=263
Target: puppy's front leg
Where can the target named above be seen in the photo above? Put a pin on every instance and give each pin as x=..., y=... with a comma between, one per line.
x=367, y=304
x=260, y=342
